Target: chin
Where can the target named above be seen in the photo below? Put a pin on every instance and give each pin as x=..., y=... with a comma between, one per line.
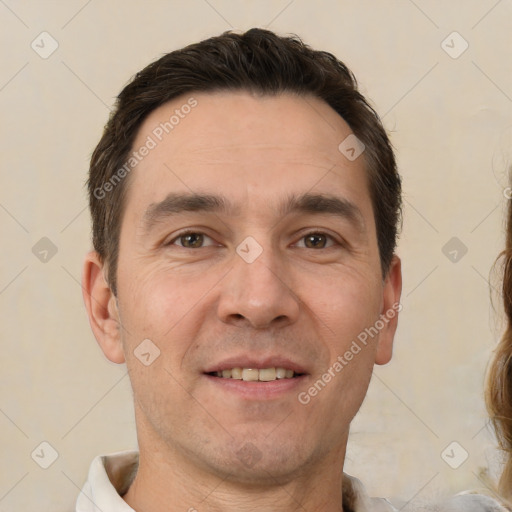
x=263, y=462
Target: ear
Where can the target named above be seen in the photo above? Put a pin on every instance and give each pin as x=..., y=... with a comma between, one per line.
x=391, y=306
x=102, y=309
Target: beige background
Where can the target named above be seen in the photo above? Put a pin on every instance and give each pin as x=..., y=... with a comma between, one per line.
x=451, y=122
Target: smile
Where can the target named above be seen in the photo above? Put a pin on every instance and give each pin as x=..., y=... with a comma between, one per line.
x=255, y=374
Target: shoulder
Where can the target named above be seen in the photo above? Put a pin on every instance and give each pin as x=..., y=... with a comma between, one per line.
x=356, y=499
x=108, y=479
x=464, y=502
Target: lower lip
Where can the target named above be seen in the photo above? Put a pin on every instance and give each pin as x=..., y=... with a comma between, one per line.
x=258, y=390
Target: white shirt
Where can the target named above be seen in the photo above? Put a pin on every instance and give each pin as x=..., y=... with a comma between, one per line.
x=110, y=476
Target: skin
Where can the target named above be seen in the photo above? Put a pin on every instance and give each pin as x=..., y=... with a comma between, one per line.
x=202, y=304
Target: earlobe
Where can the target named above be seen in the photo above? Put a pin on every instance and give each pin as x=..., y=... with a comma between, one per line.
x=391, y=307
x=102, y=309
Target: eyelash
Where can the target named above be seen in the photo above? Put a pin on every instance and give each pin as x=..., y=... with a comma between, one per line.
x=193, y=232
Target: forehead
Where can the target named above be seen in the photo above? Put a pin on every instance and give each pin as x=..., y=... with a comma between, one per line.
x=251, y=148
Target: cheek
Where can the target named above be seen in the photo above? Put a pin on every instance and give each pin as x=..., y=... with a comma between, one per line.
x=154, y=298
x=347, y=303
x=162, y=305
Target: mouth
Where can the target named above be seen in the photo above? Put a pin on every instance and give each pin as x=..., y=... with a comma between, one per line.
x=257, y=377
x=256, y=374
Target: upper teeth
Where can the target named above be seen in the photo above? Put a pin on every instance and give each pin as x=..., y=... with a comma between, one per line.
x=253, y=374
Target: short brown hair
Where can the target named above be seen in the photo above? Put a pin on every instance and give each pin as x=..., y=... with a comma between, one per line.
x=259, y=62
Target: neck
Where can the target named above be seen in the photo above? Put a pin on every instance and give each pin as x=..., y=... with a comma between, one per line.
x=168, y=481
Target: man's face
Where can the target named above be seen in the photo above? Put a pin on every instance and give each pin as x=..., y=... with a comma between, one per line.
x=211, y=301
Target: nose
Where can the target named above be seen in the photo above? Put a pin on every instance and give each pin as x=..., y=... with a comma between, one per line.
x=258, y=294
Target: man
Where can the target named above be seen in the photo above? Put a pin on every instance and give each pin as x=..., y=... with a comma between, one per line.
x=245, y=203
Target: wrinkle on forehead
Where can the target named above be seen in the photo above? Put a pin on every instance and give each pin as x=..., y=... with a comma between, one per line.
x=251, y=148
x=294, y=154
x=238, y=121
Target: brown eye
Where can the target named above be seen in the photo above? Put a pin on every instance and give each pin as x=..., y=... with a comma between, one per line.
x=316, y=240
x=190, y=240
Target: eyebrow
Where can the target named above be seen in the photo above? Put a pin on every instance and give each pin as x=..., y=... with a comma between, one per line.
x=308, y=203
